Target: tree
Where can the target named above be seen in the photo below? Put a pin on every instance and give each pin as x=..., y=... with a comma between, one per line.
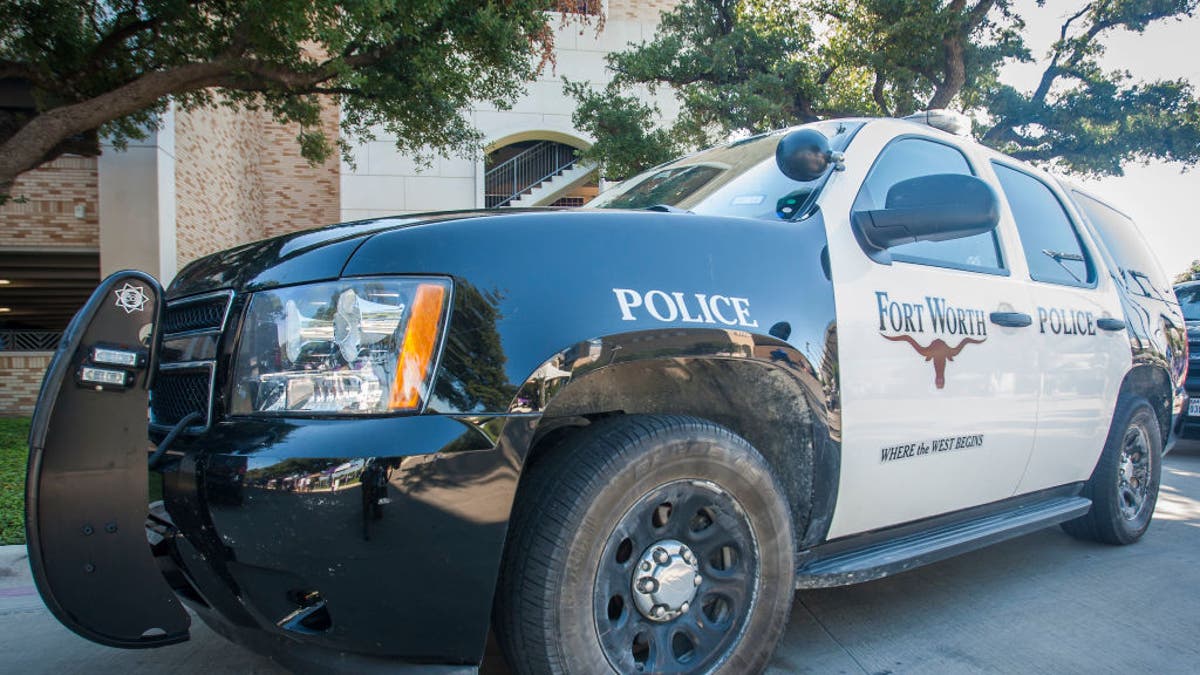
x=752, y=65
x=74, y=71
x=1192, y=271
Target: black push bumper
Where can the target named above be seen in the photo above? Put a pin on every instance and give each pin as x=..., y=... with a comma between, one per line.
x=86, y=486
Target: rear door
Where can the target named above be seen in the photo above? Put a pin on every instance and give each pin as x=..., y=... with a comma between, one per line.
x=939, y=401
x=1080, y=348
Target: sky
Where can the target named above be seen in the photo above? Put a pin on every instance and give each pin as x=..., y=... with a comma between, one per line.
x=1159, y=197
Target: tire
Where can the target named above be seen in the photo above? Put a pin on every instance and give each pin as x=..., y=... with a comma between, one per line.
x=646, y=497
x=1118, y=516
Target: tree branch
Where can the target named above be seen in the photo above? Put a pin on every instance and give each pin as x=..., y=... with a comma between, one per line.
x=878, y=94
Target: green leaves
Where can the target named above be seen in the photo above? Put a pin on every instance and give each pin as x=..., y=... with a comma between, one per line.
x=410, y=70
x=754, y=65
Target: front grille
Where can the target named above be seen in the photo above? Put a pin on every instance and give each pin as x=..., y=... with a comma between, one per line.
x=182, y=387
x=179, y=392
x=202, y=314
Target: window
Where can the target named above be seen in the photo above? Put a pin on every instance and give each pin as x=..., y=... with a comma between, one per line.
x=912, y=157
x=1120, y=236
x=1189, y=300
x=1052, y=248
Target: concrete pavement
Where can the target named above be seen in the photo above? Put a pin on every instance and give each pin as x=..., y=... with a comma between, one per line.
x=1043, y=603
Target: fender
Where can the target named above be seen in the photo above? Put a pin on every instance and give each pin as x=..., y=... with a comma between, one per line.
x=757, y=385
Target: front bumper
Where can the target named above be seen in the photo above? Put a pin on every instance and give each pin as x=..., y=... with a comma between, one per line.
x=378, y=537
x=329, y=543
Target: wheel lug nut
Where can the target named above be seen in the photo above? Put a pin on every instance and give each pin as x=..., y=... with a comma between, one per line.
x=657, y=611
x=646, y=566
x=698, y=580
x=687, y=555
x=684, y=608
x=647, y=585
x=661, y=556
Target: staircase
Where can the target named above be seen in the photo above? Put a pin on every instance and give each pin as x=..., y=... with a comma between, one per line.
x=534, y=177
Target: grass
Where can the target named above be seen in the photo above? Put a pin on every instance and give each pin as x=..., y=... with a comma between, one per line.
x=14, y=434
x=14, y=451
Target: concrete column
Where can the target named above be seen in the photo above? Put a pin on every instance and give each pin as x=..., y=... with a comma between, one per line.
x=480, y=171
x=137, y=204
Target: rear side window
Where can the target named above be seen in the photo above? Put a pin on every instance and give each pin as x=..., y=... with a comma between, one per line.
x=1052, y=247
x=1124, y=242
x=912, y=157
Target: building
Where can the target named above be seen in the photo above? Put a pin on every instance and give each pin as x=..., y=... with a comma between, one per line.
x=211, y=179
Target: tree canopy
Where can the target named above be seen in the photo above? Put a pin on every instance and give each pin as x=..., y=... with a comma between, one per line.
x=741, y=66
x=72, y=71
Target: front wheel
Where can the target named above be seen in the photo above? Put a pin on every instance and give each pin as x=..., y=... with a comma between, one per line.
x=1124, y=486
x=647, y=544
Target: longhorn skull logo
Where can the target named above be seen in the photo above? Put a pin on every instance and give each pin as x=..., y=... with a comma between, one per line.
x=938, y=351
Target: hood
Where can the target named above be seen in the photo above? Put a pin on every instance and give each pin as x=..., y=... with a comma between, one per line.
x=300, y=257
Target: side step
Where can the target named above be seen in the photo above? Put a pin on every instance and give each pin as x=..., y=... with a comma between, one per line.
x=911, y=551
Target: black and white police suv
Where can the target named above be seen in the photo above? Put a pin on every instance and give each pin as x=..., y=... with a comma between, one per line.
x=620, y=437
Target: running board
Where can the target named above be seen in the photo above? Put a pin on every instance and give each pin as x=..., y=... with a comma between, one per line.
x=914, y=550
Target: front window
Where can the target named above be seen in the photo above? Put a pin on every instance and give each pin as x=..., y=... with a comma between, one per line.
x=736, y=179
x=1189, y=300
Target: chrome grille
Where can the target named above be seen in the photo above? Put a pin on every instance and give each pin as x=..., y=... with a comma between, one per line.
x=185, y=386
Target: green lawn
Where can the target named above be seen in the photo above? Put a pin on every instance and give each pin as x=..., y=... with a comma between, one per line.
x=14, y=434
x=14, y=450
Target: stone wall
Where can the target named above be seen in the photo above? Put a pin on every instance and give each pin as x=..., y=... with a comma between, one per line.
x=20, y=378
x=44, y=215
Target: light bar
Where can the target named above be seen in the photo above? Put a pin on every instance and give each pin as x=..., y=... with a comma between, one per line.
x=104, y=377
x=947, y=120
x=116, y=357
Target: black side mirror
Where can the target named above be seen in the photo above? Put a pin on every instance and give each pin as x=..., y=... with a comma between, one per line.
x=803, y=155
x=937, y=207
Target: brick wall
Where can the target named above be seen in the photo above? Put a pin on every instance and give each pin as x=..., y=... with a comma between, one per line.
x=297, y=195
x=218, y=191
x=46, y=216
x=239, y=177
x=20, y=379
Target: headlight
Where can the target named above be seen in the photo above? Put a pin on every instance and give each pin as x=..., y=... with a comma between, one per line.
x=356, y=346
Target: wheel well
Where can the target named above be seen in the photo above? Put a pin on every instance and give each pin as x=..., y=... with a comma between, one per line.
x=766, y=405
x=1155, y=386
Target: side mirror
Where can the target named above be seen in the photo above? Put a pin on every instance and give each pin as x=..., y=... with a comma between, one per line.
x=936, y=207
x=803, y=155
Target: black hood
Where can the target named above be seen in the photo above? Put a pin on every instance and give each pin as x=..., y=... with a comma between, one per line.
x=310, y=255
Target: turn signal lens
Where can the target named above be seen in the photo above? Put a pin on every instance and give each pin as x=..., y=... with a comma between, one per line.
x=420, y=345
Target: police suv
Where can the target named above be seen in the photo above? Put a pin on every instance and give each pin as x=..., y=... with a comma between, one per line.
x=1188, y=294
x=619, y=437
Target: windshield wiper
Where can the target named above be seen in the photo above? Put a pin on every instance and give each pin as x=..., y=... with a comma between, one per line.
x=1059, y=257
x=666, y=208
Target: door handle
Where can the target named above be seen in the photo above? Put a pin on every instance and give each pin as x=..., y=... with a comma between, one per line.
x=1110, y=324
x=1011, y=319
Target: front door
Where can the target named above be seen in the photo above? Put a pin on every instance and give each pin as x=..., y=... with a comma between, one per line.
x=940, y=400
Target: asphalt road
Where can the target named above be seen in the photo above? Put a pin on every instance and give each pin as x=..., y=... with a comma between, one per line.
x=1041, y=603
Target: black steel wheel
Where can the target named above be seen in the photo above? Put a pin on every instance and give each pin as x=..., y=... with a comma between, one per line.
x=1124, y=486
x=647, y=544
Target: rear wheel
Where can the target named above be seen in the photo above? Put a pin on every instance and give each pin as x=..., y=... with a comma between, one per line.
x=647, y=544
x=1124, y=486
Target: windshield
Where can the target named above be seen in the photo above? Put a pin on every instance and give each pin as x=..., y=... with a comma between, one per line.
x=1189, y=300
x=737, y=179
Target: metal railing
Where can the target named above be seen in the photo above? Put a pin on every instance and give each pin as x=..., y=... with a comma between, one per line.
x=29, y=340
x=520, y=174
